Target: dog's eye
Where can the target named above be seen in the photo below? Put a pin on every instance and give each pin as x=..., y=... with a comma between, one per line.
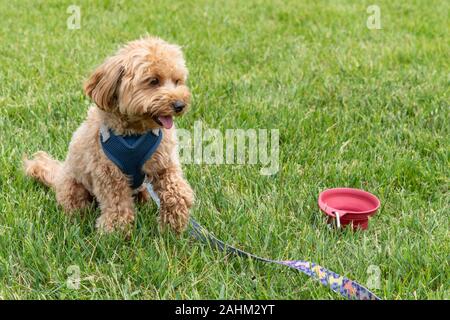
x=177, y=82
x=154, y=81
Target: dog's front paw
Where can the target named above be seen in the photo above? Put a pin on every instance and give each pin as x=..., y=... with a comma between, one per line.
x=175, y=207
x=111, y=221
x=176, y=198
x=176, y=216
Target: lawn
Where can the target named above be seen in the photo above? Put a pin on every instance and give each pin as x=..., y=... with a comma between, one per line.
x=354, y=107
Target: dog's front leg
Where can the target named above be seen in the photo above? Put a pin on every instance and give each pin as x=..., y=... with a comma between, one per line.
x=115, y=199
x=175, y=194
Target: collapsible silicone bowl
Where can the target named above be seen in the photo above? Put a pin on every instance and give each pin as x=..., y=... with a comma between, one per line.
x=349, y=206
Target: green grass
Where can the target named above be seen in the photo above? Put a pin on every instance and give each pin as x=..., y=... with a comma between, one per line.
x=355, y=107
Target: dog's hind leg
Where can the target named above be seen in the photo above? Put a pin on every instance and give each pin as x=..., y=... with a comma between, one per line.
x=71, y=194
x=43, y=168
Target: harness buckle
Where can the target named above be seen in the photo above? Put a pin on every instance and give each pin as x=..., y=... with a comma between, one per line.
x=104, y=133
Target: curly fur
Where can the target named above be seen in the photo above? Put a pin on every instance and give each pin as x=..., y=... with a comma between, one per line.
x=127, y=101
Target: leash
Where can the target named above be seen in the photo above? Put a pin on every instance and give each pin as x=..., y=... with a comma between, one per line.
x=342, y=285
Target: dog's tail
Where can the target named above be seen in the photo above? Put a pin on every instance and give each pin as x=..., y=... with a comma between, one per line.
x=43, y=168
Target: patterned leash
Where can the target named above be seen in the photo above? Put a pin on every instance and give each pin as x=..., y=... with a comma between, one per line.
x=339, y=284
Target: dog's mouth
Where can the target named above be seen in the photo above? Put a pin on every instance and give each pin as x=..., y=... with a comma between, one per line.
x=164, y=121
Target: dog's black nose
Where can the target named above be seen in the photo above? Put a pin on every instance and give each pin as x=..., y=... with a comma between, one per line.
x=178, y=106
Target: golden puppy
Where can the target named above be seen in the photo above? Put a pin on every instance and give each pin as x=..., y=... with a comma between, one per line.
x=136, y=92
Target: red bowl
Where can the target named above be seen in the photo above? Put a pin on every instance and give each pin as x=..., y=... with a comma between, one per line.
x=354, y=206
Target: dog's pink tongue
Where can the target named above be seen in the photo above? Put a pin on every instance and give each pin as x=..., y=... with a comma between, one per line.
x=166, y=121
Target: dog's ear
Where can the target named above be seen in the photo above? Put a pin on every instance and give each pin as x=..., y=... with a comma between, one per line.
x=102, y=85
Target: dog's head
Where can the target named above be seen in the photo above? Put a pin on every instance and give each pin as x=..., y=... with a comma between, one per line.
x=145, y=82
